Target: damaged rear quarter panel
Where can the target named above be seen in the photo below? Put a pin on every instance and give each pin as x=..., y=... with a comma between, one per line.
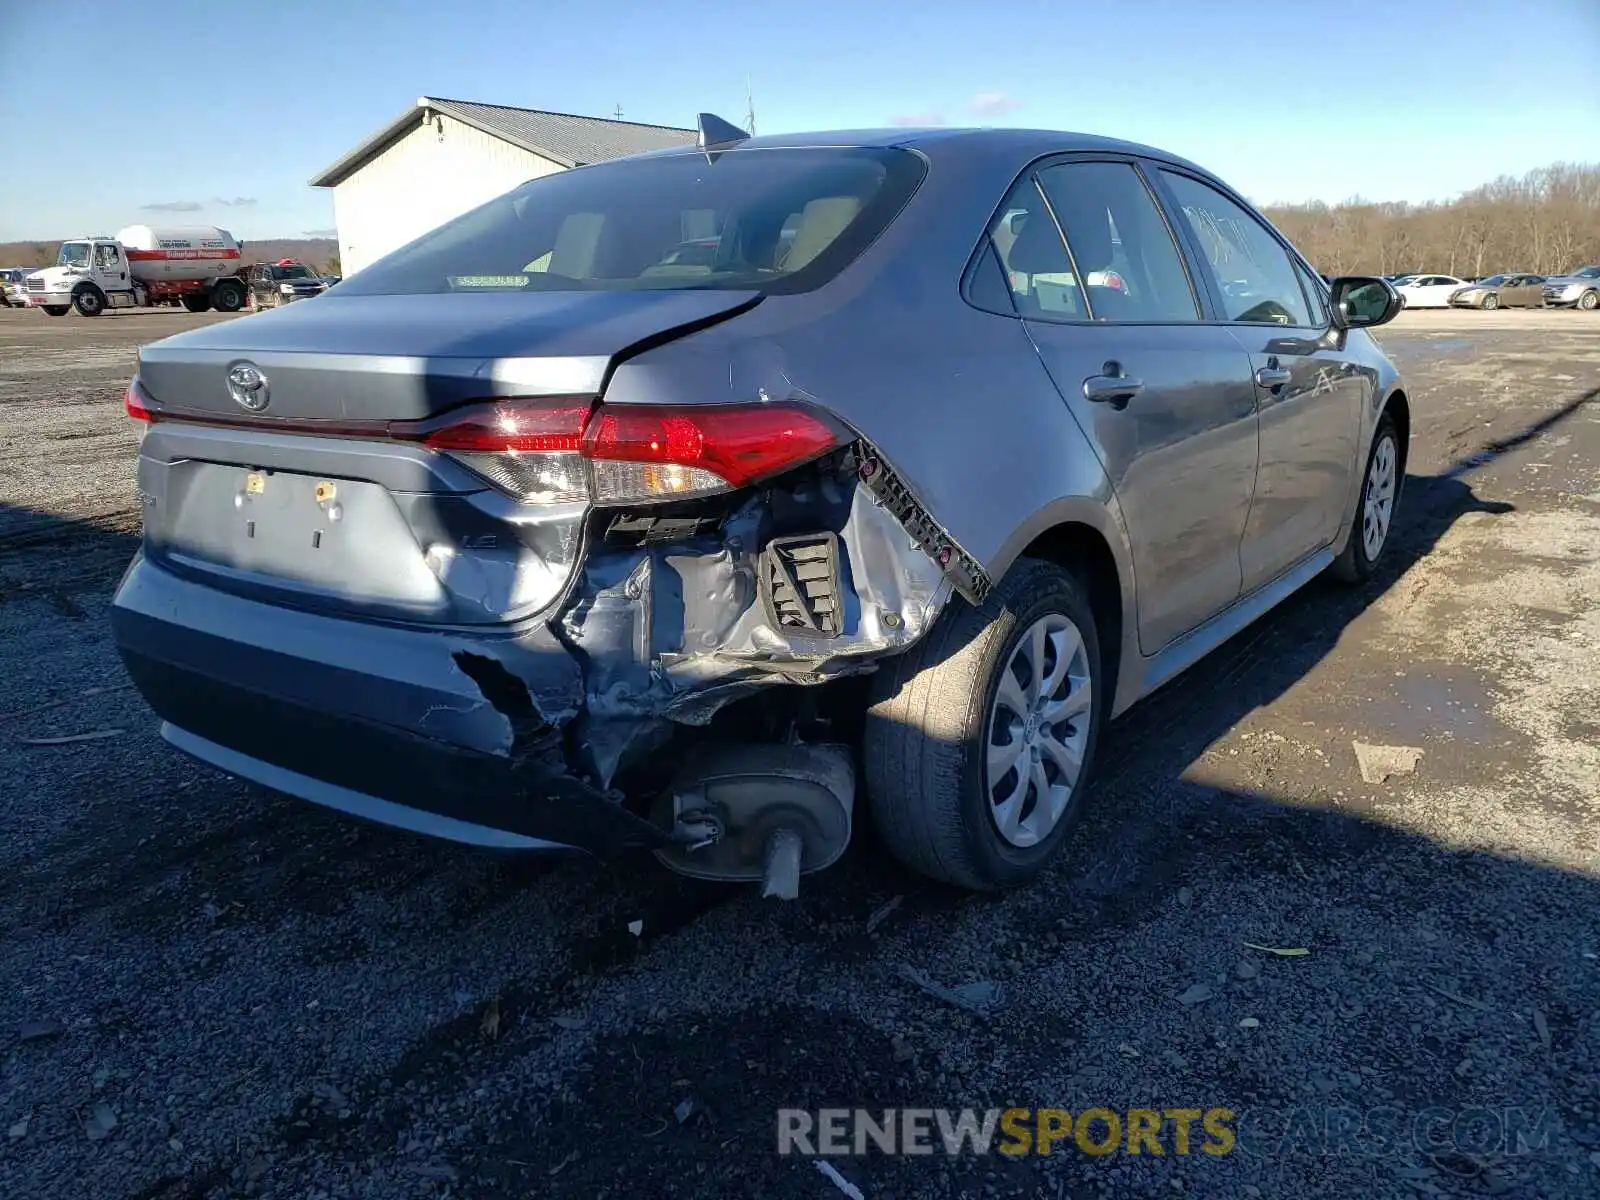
x=676, y=630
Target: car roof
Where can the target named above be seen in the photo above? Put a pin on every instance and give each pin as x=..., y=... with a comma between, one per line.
x=938, y=142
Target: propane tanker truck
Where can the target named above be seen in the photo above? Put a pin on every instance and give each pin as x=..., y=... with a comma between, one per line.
x=142, y=266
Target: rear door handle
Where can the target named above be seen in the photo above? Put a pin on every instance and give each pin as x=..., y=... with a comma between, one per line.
x=1271, y=377
x=1111, y=389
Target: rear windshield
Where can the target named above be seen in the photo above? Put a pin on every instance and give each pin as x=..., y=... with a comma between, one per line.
x=773, y=220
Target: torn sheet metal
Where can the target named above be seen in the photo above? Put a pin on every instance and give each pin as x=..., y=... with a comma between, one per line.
x=883, y=481
x=680, y=630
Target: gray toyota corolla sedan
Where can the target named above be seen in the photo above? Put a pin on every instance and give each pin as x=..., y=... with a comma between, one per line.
x=658, y=503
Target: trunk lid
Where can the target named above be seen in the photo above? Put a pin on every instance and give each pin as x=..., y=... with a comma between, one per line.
x=305, y=501
x=355, y=358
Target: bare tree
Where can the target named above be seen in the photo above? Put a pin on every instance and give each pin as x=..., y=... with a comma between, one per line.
x=1546, y=221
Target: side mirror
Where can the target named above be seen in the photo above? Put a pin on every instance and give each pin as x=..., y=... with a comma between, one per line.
x=1362, y=301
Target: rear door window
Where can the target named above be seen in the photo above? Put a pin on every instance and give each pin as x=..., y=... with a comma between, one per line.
x=1027, y=243
x=771, y=220
x=1120, y=243
x=1253, y=272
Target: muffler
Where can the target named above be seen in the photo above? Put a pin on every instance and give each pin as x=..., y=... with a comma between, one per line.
x=759, y=812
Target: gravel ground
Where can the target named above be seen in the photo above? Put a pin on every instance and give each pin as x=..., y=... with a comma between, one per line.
x=209, y=991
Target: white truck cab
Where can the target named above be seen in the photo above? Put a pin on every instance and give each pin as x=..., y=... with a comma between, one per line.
x=98, y=261
x=139, y=267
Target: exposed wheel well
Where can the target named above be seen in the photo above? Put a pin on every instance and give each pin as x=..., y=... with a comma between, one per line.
x=1399, y=408
x=1082, y=548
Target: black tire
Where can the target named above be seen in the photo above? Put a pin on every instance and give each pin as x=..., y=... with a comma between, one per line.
x=90, y=301
x=228, y=296
x=197, y=304
x=1589, y=301
x=1356, y=563
x=928, y=731
x=56, y=310
x=1491, y=302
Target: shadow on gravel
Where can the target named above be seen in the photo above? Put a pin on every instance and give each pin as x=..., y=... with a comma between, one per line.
x=1148, y=829
x=1419, y=996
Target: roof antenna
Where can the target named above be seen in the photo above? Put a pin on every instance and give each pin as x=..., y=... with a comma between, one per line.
x=749, y=108
x=717, y=135
x=619, y=112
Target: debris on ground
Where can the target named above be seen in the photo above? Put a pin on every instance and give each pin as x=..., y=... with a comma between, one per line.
x=101, y=1122
x=1377, y=763
x=1460, y=999
x=1197, y=993
x=982, y=999
x=19, y=1130
x=685, y=1109
x=34, y=1031
x=83, y=695
x=1246, y=969
x=636, y=928
x=1280, y=951
x=66, y=739
x=883, y=912
x=490, y=1025
x=1541, y=1027
x=1249, y=1023
x=330, y=1093
x=838, y=1180
x=569, y=1021
x=443, y=1172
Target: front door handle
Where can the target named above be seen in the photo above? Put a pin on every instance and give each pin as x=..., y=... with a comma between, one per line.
x=1115, y=390
x=1273, y=377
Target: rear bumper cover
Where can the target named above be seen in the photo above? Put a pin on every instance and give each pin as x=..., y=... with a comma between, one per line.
x=380, y=721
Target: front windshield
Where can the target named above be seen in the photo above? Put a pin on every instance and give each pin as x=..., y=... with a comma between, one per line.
x=1587, y=273
x=74, y=254
x=298, y=271
x=774, y=220
x=1492, y=281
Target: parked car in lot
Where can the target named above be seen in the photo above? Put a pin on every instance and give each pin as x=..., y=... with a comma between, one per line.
x=272, y=285
x=1497, y=291
x=1428, y=291
x=1578, y=289
x=632, y=551
x=11, y=290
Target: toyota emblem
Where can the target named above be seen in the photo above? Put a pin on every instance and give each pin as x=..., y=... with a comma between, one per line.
x=248, y=386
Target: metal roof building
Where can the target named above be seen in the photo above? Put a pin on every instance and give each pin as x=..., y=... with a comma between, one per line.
x=442, y=157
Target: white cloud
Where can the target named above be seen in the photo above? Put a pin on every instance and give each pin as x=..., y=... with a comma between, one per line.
x=994, y=104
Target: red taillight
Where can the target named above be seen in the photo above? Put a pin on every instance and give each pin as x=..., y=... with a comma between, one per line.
x=515, y=427
x=133, y=403
x=739, y=443
x=637, y=453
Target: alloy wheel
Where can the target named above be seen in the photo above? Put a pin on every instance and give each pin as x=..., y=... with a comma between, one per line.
x=1038, y=730
x=1377, y=506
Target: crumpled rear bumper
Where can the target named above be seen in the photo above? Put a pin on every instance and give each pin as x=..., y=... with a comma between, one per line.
x=385, y=722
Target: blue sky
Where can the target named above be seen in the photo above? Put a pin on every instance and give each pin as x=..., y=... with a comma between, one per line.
x=231, y=107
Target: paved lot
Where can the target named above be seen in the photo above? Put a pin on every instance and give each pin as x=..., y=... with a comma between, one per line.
x=208, y=991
